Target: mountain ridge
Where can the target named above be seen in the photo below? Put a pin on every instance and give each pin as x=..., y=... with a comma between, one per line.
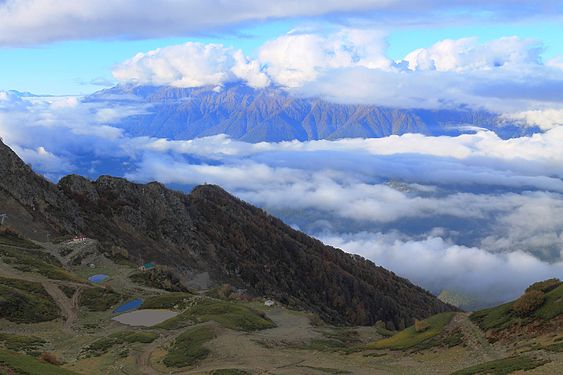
x=273, y=115
x=211, y=237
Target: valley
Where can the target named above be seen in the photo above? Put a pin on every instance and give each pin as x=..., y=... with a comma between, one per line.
x=224, y=331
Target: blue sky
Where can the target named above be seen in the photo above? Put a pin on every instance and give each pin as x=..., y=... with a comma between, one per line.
x=85, y=65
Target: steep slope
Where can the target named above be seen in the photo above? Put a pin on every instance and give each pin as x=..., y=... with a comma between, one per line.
x=211, y=237
x=272, y=115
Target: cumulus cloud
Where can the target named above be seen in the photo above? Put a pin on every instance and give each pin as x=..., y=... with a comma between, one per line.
x=191, y=65
x=467, y=54
x=294, y=59
x=350, y=66
x=24, y=22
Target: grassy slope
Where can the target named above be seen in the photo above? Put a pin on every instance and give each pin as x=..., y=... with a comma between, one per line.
x=409, y=338
x=503, y=366
x=228, y=314
x=25, y=302
x=23, y=364
x=502, y=316
x=188, y=348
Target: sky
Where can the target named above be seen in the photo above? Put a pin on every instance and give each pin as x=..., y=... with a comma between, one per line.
x=476, y=213
x=54, y=47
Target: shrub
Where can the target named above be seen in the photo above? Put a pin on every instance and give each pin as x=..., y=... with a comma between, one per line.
x=528, y=302
x=544, y=286
x=421, y=325
x=188, y=348
x=99, y=299
x=49, y=358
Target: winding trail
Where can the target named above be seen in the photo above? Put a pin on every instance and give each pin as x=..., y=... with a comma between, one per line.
x=68, y=306
x=474, y=337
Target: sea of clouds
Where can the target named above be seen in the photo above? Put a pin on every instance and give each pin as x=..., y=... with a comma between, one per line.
x=475, y=213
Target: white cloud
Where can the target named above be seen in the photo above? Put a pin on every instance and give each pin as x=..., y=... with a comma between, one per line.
x=438, y=264
x=294, y=59
x=545, y=119
x=502, y=195
x=190, y=65
x=467, y=54
x=24, y=22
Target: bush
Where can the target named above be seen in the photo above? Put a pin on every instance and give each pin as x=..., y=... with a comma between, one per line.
x=545, y=286
x=528, y=303
x=421, y=325
x=49, y=358
x=188, y=348
x=99, y=299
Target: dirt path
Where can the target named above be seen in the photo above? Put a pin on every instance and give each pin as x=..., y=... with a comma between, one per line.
x=68, y=306
x=143, y=359
x=474, y=337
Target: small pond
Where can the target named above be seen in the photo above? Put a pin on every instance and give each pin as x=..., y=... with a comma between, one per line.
x=128, y=306
x=145, y=318
x=98, y=278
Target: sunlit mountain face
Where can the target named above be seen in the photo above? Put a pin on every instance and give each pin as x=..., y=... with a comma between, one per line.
x=424, y=136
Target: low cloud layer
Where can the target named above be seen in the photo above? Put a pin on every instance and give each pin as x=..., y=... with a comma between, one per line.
x=474, y=213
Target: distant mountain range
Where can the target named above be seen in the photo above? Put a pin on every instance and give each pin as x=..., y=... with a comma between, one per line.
x=273, y=115
x=210, y=237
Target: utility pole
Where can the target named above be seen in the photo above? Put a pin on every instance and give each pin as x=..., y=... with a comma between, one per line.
x=3, y=217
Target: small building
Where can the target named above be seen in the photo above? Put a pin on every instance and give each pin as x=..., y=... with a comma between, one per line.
x=147, y=266
x=269, y=303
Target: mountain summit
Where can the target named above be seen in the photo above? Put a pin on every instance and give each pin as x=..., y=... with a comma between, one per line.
x=209, y=237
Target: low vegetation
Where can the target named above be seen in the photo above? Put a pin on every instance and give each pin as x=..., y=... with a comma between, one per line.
x=188, y=348
x=10, y=237
x=104, y=344
x=411, y=338
x=31, y=260
x=503, y=366
x=528, y=303
x=168, y=301
x=228, y=314
x=539, y=302
x=99, y=299
x=18, y=343
x=26, y=365
x=25, y=302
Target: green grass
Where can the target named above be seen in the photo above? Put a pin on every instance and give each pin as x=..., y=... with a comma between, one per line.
x=28, y=260
x=17, y=343
x=25, y=302
x=553, y=305
x=99, y=299
x=409, y=338
x=228, y=314
x=501, y=317
x=26, y=365
x=167, y=301
x=188, y=348
x=104, y=344
x=503, y=366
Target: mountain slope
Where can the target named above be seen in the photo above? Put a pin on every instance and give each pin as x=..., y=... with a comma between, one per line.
x=272, y=115
x=210, y=237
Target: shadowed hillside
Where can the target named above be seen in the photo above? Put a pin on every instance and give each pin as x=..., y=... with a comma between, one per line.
x=210, y=237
